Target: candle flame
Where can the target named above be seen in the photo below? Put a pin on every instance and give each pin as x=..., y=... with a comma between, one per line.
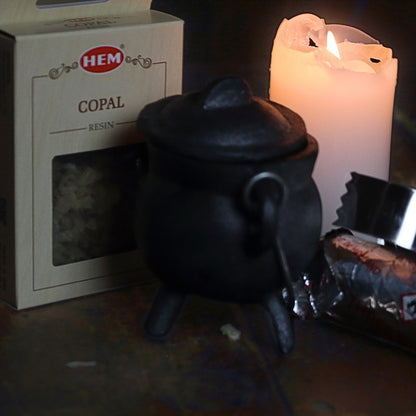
x=331, y=45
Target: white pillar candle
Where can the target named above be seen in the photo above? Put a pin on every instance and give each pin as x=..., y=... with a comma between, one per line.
x=346, y=102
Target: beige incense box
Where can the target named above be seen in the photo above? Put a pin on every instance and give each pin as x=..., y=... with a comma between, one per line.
x=72, y=82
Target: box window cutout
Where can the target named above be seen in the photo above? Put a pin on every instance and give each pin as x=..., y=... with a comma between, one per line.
x=94, y=199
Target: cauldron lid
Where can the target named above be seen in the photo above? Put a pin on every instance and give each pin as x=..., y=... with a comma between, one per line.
x=223, y=122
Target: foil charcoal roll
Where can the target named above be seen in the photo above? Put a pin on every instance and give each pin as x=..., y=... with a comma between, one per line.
x=378, y=286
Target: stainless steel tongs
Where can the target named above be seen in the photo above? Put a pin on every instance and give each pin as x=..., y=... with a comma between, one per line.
x=380, y=209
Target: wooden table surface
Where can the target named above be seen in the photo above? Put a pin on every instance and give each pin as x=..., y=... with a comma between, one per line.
x=89, y=356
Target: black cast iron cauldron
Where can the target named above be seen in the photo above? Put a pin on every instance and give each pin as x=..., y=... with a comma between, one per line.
x=228, y=208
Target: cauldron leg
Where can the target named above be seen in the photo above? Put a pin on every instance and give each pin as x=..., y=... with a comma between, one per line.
x=281, y=322
x=164, y=312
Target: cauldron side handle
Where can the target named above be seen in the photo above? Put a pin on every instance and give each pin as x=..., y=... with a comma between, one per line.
x=281, y=322
x=263, y=195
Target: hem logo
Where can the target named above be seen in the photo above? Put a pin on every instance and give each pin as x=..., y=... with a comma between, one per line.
x=101, y=59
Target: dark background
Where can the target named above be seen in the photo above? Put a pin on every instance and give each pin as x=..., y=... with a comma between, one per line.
x=235, y=37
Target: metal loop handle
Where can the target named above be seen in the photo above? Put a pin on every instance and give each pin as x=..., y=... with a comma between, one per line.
x=248, y=199
x=267, y=208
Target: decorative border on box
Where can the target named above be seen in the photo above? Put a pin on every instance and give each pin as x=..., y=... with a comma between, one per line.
x=138, y=60
x=54, y=74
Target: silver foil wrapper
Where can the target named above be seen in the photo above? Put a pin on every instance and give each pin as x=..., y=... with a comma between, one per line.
x=317, y=291
x=376, y=288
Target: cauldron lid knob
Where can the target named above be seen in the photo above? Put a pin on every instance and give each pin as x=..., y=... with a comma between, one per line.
x=227, y=92
x=223, y=122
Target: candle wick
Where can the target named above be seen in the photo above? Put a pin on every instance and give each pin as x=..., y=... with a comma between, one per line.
x=312, y=43
x=375, y=60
